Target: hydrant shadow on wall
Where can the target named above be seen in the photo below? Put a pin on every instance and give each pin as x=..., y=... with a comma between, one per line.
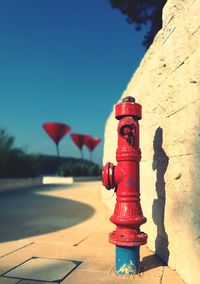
x=125, y=179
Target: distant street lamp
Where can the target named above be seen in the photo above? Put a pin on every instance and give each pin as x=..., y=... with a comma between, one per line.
x=78, y=140
x=56, y=132
x=91, y=143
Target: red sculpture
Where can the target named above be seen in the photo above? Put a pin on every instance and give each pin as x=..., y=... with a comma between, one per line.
x=91, y=143
x=79, y=140
x=56, y=132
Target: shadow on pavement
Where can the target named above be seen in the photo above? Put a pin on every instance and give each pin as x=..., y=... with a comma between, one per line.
x=149, y=262
x=28, y=213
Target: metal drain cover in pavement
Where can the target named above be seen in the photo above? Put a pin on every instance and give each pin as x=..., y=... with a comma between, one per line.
x=43, y=269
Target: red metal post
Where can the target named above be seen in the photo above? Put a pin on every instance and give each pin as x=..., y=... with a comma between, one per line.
x=125, y=178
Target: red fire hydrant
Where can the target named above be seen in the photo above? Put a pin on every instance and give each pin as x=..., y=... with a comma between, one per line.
x=125, y=178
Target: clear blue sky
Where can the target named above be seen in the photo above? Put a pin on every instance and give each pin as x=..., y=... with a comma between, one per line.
x=63, y=61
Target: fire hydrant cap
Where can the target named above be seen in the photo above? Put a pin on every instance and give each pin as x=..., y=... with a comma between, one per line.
x=128, y=107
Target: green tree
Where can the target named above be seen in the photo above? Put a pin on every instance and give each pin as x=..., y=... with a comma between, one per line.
x=6, y=141
x=13, y=161
x=142, y=12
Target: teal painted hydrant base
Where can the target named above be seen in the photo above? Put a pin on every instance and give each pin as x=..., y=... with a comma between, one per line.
x=127, y=260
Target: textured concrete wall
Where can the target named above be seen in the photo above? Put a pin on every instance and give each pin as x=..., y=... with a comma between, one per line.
x=167, y=84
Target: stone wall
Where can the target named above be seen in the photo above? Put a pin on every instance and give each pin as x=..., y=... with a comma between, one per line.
x=167, y=84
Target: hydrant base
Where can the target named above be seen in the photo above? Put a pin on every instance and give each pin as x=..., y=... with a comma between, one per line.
x=127, y=260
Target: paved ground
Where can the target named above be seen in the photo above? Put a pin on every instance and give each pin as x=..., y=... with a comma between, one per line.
x=47, y=232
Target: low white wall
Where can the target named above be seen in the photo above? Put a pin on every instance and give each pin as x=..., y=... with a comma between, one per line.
x=20, y=183
x=57, y=180
x=12, y=184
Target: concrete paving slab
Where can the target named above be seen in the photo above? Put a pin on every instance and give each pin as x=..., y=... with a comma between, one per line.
x=141, y=276
x=4, y=280
x=91, y=277
x=43, y=269
x=4, y=267
x=85, y=241
x=9, y=247
x=171, y=276
x=151, y=265
x=68, y=237
x=42, y=250
x=11, y=260
x=97, y=264
x=33, y=213
x=34, y=282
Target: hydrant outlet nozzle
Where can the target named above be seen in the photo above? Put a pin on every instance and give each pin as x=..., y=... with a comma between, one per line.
x=108, y=176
